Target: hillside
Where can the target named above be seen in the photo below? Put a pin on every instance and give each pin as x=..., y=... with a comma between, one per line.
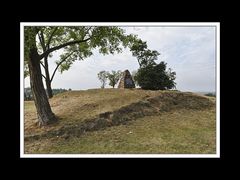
x=124, y=121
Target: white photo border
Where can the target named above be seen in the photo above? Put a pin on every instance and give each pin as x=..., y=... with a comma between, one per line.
x=155, y=24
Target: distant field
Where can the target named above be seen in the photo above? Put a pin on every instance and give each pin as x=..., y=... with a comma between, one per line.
x=206, y=92
x=170, y=122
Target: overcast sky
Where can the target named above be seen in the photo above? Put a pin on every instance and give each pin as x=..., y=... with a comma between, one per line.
x=189, y=51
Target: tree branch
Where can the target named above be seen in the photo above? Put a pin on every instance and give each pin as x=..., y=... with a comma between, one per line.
x=51, y=36
x=88, y=30
x=46, y=53
x=43, y=40
x=40, y=39
x=64, y=59
x=43, y=76
x=42, y=64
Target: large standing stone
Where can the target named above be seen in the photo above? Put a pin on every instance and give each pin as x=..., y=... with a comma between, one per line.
x=126, y=80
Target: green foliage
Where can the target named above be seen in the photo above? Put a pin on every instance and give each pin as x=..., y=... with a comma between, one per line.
x=114, y=77
x=65, y=61
x=144, y=56
x=102, y=76
x=155, y=77
x=107, y=39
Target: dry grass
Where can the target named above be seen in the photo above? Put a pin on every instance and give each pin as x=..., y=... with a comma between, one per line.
x=76, y=106
x=184, y=129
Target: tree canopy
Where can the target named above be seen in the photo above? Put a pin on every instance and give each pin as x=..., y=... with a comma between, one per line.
x=77, y=42
x=156, y=77
x=114, y=77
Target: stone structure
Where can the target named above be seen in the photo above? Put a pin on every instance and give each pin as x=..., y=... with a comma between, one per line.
x=126, y=81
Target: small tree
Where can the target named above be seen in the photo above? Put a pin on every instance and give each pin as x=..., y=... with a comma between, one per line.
x=102, y=76
x=155, y=77
x=114, y=77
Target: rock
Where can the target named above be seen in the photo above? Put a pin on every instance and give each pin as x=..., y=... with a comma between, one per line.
x=126, y=80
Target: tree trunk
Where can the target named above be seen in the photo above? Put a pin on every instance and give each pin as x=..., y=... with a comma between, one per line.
x=45, y=114
x=49, y=88
x=47, y=79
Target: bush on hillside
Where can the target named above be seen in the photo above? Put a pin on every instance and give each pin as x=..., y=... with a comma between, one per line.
x=156, y=77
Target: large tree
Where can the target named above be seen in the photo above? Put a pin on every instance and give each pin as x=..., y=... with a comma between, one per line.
x=76, y=41
x=31, y=56
x=48, y=37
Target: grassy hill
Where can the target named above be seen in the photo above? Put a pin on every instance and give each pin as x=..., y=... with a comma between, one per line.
x=124, y=121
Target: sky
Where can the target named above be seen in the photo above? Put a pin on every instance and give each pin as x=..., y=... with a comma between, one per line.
x=189, y=51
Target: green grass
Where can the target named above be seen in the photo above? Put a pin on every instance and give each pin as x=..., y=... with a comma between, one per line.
x=179, y=131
